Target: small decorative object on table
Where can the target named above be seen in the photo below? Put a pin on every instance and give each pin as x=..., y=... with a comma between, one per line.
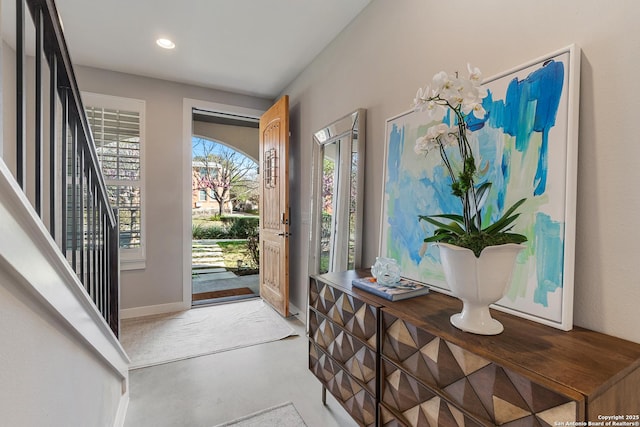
x=386, y=271
x=402, y=289
x=466, y=241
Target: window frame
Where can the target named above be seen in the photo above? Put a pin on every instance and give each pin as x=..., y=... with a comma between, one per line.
x=130, y=258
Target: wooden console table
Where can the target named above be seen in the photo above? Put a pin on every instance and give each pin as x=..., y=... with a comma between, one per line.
x=403, y=364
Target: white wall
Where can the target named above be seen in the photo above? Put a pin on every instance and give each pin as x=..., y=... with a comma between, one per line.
x=161, y=282
x=48, y=376
x=393, y=47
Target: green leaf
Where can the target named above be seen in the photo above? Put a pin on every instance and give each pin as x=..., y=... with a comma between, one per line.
x=516, y=238
x=452, y=227
x=505, y=220
x=482, y=189
x=457, y=218
x=501, y=224
x=443, y=237
x=481, y=195
x=474, y=229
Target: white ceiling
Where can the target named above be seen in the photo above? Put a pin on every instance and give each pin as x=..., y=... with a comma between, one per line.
x=253, y=47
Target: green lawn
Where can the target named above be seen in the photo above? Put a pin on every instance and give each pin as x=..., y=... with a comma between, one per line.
x=234, y=251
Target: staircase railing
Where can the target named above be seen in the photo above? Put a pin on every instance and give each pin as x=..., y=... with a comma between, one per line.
x=62, y=176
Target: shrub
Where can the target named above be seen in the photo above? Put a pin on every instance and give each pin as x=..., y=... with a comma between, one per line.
x=253, y=247
x=243, y=227
x=226, y=219
x=232, y=228
x=199, y=231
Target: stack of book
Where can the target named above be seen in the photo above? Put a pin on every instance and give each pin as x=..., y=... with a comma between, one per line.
x=400, y=290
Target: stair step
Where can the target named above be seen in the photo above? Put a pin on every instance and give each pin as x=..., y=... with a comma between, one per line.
x=213, y=276
x=218, y=256
x=203, y=268
x=207, y=257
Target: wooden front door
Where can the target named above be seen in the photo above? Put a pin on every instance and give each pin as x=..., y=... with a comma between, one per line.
x=274, y=206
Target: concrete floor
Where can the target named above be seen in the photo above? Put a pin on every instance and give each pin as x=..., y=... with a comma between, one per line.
x=209, y=390
x=209, y=273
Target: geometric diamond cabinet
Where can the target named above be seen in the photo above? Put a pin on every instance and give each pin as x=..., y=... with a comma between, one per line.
x=420, y=367
x=428, y=373
x=343, y=348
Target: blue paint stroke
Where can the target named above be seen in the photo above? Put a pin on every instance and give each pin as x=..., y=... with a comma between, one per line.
x=396, y=144
x=530, y=105
x=409, y=196
x=550, y=256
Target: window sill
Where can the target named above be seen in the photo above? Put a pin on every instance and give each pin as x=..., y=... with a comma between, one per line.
x=133, y=264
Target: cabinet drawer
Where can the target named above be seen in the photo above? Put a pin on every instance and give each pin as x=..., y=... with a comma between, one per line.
x=353, y=355
x=387, y=419
x=354, y=315
x=415, y=405
x=360, y=404
x=481, y=387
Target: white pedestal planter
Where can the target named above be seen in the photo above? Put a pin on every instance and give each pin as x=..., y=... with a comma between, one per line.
x=478, y=282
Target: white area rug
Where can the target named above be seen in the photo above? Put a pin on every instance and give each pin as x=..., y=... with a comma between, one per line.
x=154, y=340
x=284, y=415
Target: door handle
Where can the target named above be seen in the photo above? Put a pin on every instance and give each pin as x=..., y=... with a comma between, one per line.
x=285, y=234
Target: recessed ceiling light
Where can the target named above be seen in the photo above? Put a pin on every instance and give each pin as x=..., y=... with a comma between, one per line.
x=165, y=43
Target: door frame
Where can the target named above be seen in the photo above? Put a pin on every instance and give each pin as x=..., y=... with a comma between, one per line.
x=188, y=105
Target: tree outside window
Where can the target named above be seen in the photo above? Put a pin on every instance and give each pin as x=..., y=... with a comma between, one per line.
x=225, y=175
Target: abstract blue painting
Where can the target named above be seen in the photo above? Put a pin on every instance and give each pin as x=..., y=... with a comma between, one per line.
x=526, y=146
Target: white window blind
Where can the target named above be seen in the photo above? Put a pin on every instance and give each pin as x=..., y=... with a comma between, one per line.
x=117, y=126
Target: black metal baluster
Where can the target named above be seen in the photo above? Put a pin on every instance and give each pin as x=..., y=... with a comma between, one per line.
x=53, y=152
x=94, y=242
x=74, y=197
x=107, y=264
x=81, y=210
x=39, y=107
x=114, y=268
x=21, y=93
x=88, y=215
x=101, y=258
x=65, y=180
x=85, y=224
x=107, y=283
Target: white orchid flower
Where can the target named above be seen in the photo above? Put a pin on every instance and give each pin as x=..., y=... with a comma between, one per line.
x=424, y=145
x=420, y=98
x=475, y=75
x=437, y=130
x=478, y=111
x=476, y=108
x=434, y=110
x=442, y=83
x=456, y=99
x=450, y=137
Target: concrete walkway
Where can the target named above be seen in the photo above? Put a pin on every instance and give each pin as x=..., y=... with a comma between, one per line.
x=209, y=273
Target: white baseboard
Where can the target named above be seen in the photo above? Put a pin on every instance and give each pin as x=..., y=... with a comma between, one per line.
x=301, y=315
x=150, y=310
